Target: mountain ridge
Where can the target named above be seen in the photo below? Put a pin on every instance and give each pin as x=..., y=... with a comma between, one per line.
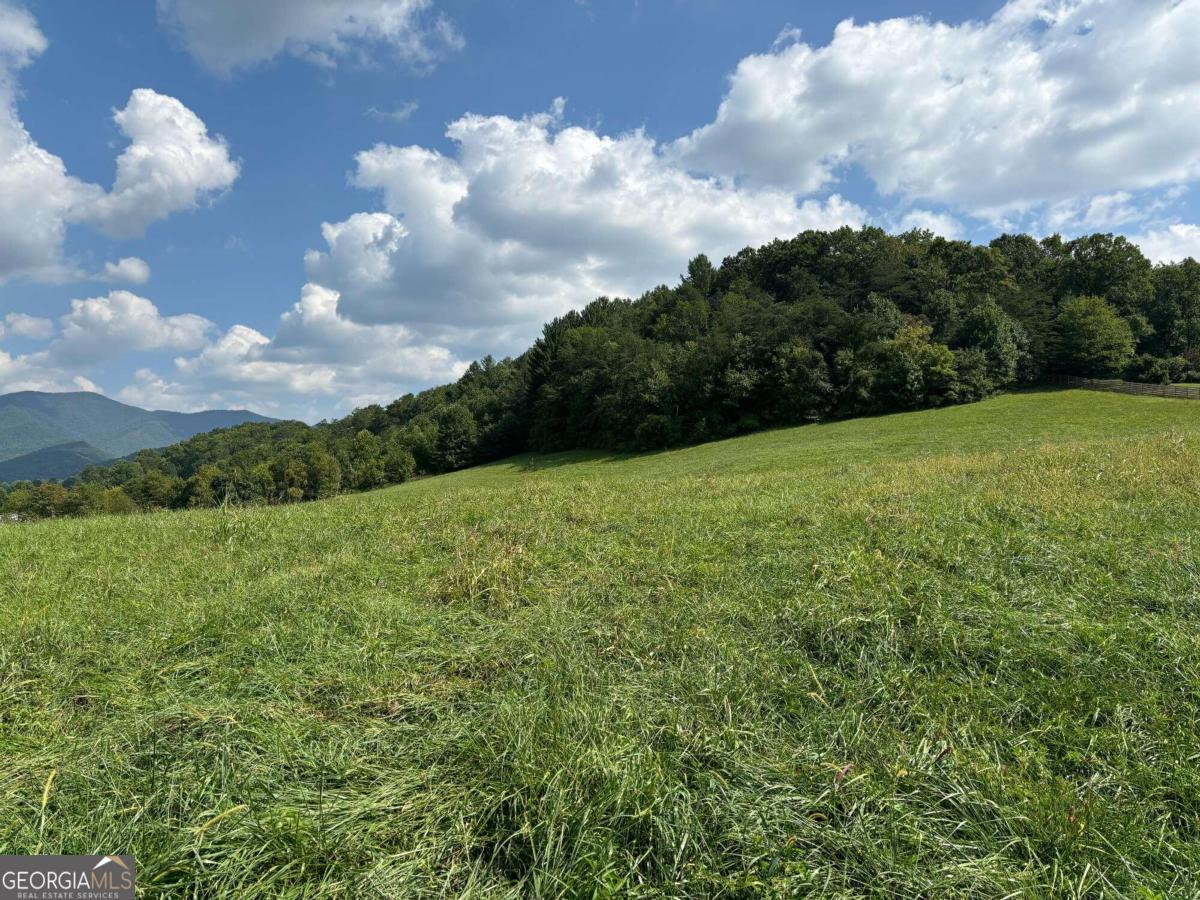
x=51, y=463
x=32, y=422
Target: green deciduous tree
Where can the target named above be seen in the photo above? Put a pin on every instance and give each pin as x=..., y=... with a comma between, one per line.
x=991, y=330
x=1094, y=340
x=911, y=370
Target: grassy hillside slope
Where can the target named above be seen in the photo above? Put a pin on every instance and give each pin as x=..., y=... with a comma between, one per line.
x=947, y=653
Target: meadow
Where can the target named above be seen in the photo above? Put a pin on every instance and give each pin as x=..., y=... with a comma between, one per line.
x=950, y=653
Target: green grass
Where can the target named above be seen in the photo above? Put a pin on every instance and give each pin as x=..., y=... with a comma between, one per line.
x=949, y=653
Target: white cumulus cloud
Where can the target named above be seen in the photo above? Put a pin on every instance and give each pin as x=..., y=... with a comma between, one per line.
x=1170, y=244
x=224, y=35
x=32, y=372
x=469, y=255
x=26, y=326
x=1049, y=101
x=171, y=164
x=94, y=332
x=530, y=218
x=121, y=322
x=129, y=269
x=36, y=193
x=317, y=361
x=939, y=223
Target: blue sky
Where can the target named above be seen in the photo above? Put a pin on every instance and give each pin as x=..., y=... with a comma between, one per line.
x=323, y=203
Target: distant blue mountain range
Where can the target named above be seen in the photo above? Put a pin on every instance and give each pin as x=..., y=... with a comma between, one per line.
x=54, y=436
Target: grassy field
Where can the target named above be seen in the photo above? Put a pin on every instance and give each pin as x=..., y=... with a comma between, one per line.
x=948, y=653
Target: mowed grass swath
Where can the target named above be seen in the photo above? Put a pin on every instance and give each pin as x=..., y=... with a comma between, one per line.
x=945, y=653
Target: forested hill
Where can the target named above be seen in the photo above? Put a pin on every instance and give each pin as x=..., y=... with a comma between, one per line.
x=828, y=324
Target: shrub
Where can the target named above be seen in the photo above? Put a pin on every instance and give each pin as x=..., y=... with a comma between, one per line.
x=1157, y=369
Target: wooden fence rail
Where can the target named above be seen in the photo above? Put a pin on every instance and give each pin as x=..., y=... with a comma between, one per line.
x=1129, y=387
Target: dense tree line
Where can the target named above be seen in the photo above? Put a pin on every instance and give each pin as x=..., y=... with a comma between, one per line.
x=828, y=324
